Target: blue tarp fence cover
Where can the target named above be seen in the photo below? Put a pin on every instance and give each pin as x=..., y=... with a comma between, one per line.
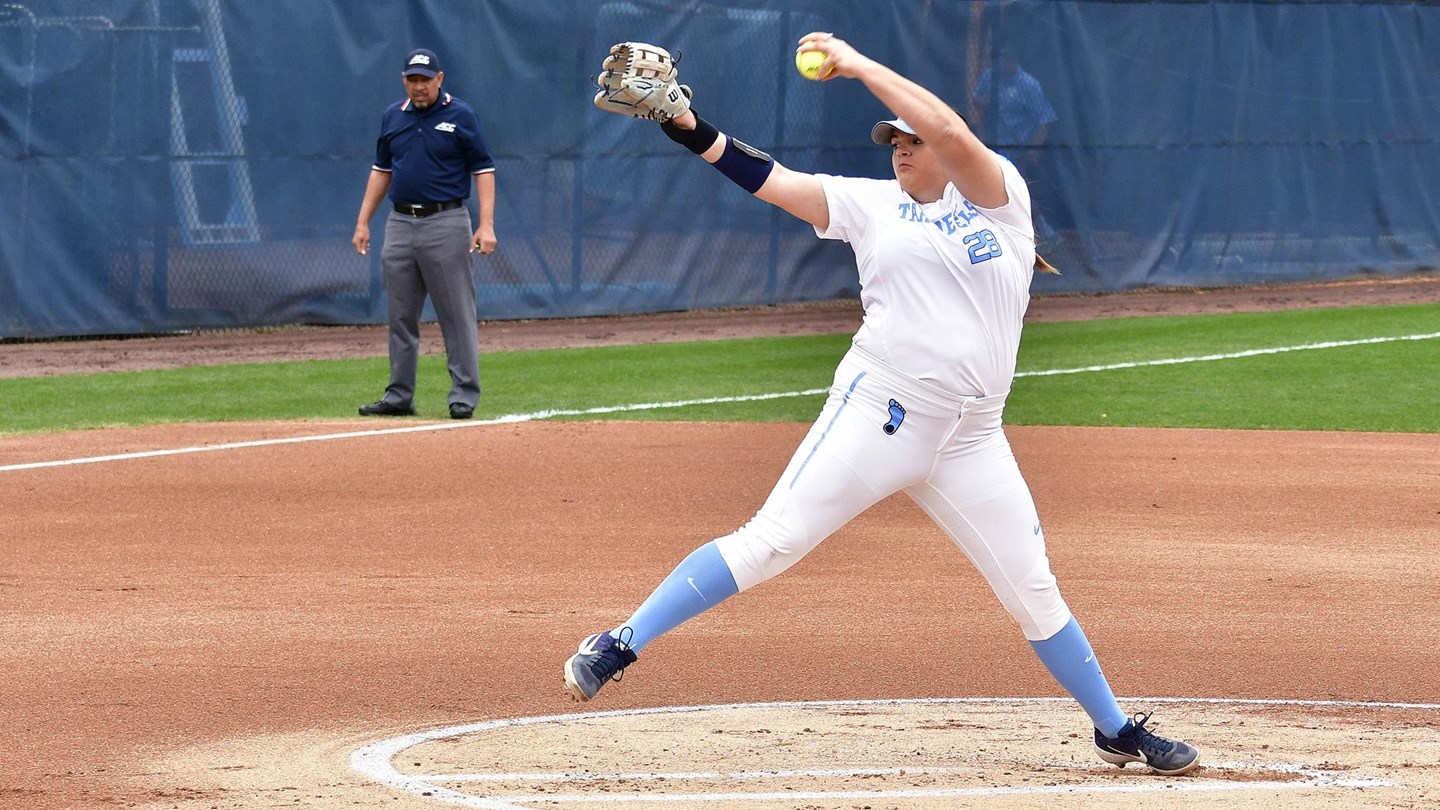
x=189, y=164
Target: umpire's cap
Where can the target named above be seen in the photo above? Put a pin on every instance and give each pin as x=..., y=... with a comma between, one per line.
x=421, y=62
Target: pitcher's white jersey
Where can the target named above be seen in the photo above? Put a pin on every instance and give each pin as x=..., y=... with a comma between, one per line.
x=946, y=306
x=916, y=404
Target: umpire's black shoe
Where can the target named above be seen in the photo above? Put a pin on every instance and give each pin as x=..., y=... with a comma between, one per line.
x=459, y=410
x=383, y=408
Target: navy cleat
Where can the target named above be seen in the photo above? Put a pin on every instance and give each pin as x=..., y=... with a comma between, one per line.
x=601, y=658
x=1135, y=743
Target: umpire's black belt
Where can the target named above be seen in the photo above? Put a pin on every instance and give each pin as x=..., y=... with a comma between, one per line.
x=426, y=209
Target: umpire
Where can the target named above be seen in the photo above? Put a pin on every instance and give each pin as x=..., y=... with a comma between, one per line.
x=430, y=145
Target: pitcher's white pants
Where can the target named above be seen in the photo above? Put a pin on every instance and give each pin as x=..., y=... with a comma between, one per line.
x=949, y=454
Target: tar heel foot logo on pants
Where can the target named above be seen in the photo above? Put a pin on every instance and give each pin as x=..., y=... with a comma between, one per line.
x=897, y=415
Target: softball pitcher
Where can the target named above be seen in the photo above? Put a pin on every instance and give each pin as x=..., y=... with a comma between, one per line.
x=946, y=253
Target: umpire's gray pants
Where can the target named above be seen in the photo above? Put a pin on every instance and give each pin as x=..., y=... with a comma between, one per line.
x=431, y=255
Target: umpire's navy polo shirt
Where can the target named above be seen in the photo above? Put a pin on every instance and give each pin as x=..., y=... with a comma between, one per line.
x=432, y=153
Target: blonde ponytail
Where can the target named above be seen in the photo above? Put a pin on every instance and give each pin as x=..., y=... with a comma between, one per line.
x=1044, y=266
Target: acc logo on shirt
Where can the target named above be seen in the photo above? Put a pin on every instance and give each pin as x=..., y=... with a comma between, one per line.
x=445, y=126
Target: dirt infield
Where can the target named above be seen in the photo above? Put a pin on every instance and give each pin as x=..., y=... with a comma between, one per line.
x=233, y=628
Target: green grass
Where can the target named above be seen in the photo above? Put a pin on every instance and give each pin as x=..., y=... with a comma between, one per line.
x=512, y=382
x=1377, y=387
x=1391, y=387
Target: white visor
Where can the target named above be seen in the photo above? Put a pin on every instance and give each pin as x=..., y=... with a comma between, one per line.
x=885, y=130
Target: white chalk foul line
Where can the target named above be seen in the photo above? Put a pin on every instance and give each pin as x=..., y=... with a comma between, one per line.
x=655, y=406
x=699, y=776
x=1203, y=358
x=375, y=760
x=1313, y=778
x=625, y=799
x=508, y=419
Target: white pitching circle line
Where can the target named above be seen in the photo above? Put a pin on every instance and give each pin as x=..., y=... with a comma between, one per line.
x=375, y=761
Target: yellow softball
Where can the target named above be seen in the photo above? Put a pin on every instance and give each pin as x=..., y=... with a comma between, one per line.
x=808, y=63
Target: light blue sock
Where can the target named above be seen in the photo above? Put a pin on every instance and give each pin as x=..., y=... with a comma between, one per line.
x=1068, y=656
x=700, y=582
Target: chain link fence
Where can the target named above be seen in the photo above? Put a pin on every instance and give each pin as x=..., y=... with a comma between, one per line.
x=197, y=164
